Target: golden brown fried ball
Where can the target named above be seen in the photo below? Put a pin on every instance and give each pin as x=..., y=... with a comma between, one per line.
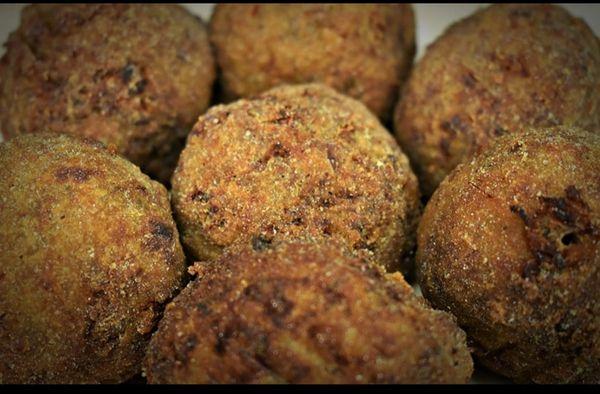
x=296, y=161
x=504, y=67
x=510, y=244
x=303, y=313
x=88, y=254
x=133, y=75
x=362, y=50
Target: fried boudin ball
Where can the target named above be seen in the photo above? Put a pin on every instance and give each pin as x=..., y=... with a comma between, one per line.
x=362, y=50
x=88, y=254
x=303, y=313
x=510, y=243
x=296, y=161
x=504, y=67
x=133, y=75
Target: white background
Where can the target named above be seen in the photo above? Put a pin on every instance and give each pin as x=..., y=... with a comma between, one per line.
x=431, y=21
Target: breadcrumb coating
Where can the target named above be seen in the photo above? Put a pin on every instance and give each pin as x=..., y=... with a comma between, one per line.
x=505, y=67
x=133, y=75
x=89, y=253
x=296, y=162
x=303, y=313
x=510, y=244
x=362, y=50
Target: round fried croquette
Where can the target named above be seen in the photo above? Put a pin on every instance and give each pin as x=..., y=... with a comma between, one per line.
x=510, y=244
x=303, y=313
x=89, y=253
x=504, y=67
x=362, y=50
x=133, y=75
x=295, y=162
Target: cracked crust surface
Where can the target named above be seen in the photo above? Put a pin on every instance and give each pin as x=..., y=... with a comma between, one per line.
x=303, y=313
x=133, y=75
x=295, y=162
x=89, y=252
x=510, y=244
x=504, y=67
x=362, y=50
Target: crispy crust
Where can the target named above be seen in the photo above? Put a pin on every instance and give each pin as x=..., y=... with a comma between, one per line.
x=510, y=243
x=89, y=252
x=502, y=68
x=364, y=51
x=132, y=75
x=303, y=313
x=296, y=161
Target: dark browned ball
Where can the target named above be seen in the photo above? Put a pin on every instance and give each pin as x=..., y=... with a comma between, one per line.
x=502, y=68
x=510, y=244
x=303, y=313
x=362, y=50
x=296, y=161
x=136, y=76
x=89, y=253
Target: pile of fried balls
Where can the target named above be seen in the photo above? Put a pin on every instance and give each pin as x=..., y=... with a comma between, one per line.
x=184, y=202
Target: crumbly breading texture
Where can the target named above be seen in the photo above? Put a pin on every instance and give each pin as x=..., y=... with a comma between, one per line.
x=133, y=75
x=504, y=67
x=303, y=313
x=89, y=252
x=296, y=162
x=364, y=51
x=510, y=244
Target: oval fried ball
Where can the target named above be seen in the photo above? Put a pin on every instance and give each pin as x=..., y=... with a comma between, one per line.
x=303, y=313
x=133, y=75
x=364, y=51
x=89, y=252
x=510, y=244
x=296, y=161
x=504, y=67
